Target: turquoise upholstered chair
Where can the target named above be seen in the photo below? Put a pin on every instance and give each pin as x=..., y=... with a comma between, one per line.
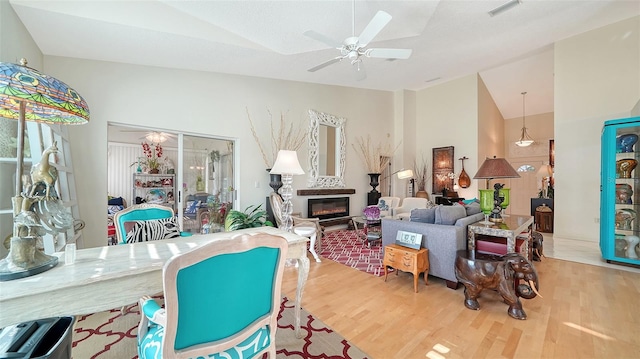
x=147, y=212
x=222, y=300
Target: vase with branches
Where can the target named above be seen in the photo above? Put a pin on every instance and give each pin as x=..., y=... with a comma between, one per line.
x=421, y=173
x=284, y=136
x=376, y=157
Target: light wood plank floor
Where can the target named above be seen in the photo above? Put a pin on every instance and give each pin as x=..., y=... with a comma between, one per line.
x=587, y=312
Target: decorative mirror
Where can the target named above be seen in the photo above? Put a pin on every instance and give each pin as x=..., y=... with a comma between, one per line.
x=327, y=150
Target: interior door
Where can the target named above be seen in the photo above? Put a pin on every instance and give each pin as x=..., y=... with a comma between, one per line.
x=523, y=188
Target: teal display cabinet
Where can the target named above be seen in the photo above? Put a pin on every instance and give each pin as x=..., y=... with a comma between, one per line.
x=620, y=192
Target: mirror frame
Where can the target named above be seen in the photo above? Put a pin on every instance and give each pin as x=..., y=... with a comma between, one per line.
x=315, y=179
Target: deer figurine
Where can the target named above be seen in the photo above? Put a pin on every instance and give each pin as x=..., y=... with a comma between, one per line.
x=43, y=174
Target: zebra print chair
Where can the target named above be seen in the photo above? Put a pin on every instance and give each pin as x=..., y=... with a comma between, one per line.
x=222, y=300
x=147, y=222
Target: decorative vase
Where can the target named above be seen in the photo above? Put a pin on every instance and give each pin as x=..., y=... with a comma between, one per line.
x=374, y=181
x=624, y=167
x=275, y=181
x=154, y=171
x=504, y=193
x=624, y=193
x=624, y=143
x=624, y=217
x=422, y=194
x=373, y=196
x=486, y=204
x=632, y=242
x=199, y=184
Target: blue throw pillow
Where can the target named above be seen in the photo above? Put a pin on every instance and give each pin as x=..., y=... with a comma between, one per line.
x=469, y=201
x=423, y=215
x=449, y=214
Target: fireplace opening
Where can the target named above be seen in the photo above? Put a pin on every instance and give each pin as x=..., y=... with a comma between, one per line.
x=326, y=208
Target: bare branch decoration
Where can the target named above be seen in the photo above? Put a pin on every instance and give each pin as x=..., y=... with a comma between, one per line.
x=377, y=157
x=284, y=136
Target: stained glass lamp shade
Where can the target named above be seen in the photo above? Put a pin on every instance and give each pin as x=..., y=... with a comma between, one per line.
x=26, y=94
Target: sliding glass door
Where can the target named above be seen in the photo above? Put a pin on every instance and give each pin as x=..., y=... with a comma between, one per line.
x=207, y=183
x=194, y=175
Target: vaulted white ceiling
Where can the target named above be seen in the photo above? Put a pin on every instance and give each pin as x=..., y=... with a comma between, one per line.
x=512, y=51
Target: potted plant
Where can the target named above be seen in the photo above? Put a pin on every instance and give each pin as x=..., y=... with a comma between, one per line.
x=252, y=217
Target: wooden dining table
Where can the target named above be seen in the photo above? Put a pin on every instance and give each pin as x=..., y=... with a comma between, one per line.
x=104, y=278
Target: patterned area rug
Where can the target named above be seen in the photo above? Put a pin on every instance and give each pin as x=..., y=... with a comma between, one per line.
x=109, y=335
x=346, y=247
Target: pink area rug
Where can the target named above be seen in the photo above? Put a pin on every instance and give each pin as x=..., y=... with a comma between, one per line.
x=345, y=247
x=110, y=335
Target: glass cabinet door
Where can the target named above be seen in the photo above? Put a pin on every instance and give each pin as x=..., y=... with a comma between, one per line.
x=620, y=227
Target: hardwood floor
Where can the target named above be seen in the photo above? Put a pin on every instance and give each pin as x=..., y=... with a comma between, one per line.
x=587, y=312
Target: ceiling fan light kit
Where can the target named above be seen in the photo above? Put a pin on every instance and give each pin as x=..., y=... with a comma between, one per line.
x=354, y=48
x=525, y=140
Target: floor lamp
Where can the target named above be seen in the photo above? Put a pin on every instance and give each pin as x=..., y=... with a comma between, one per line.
x=402, y=174
x=26, y=94
x=287, y=165
x=490, y=169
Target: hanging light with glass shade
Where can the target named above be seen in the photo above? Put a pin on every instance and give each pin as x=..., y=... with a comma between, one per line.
x=525, y=140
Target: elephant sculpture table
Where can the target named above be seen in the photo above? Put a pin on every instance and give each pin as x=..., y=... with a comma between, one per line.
x=478, y=271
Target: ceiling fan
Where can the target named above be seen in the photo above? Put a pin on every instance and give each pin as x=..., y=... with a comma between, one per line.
x=354, y=47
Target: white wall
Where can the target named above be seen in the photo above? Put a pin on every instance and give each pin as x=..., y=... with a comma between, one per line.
x=597, y=78
x=210, y=104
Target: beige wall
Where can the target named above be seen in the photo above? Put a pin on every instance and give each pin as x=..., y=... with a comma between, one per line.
x=597, y=78
x=447, y=115
x=210, y=104
x=490, y=131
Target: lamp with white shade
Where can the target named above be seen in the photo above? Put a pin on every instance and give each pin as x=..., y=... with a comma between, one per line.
x=402, y=174
x=287, y=165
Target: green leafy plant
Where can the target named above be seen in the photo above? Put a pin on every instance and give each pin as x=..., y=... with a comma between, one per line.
x=252, y=217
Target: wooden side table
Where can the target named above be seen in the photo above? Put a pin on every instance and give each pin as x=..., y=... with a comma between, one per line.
x=410, y=260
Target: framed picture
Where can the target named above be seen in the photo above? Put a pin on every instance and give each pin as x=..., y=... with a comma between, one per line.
x=442, y=176
x=409, y=239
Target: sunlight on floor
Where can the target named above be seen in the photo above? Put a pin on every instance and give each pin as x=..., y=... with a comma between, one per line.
x=441, y=349
x=588, y=331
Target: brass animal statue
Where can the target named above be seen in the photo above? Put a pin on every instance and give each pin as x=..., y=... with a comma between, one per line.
x=503, y=274
x=43, y=175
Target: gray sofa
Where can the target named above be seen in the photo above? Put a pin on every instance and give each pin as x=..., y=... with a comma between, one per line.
x=442, y=240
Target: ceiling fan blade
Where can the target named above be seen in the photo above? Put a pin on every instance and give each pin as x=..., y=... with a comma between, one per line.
x=325, y=64
x=359, y=71
x=322, y=38
x=389, y=53
x=379, y=21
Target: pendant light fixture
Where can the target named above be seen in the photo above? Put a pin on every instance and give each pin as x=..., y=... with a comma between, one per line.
x=525, y=140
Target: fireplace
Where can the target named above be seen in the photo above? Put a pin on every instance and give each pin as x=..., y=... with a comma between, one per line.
x=326, y=208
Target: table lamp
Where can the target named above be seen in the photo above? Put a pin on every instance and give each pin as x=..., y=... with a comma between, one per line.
x=490, y=169
x=26, y=94
x=287, y=165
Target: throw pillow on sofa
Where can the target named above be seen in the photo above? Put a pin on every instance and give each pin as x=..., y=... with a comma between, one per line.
x=472, y=208
x=449, y=214
x=423, y=215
